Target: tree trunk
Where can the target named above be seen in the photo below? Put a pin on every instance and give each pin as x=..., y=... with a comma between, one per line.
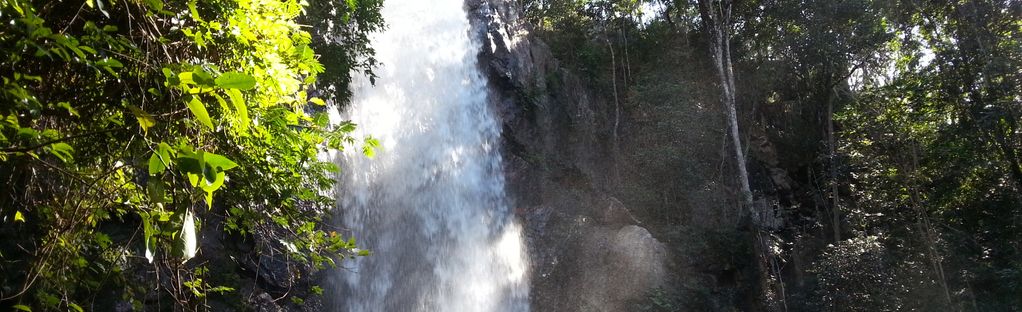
x=716, y=16
x=617, y=112
x=835, y=209
x=926, y=229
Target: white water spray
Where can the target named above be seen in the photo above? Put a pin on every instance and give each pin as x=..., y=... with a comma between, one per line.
x=431, y=204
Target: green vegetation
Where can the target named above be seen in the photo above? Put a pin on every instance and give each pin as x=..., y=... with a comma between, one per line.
x=886, y=132
x=127, y=125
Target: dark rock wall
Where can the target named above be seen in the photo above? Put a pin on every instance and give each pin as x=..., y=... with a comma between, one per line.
x=644, y=220
x=583, y=259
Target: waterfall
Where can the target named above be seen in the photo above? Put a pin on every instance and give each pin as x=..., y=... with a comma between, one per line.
x=431, y=204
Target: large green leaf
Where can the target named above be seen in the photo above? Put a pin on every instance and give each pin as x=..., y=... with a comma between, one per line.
x=209, y=173
x=220, y=162
x=236, y=80
x=199, y=110
x=239, y=106
x=192, y=165
x=156, y=165
x=157, y=190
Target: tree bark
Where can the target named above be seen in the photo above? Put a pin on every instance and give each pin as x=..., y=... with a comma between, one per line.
x=715, y=17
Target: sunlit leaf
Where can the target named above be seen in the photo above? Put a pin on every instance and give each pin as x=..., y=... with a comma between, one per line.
x=194, y=10
x=156, y=164
x=189, y=240
x=236, y=80
x=199, y=110
x=145, y=120
x=219, y=162
x=147, y=235
x=240, y=107
x=186, y=78
x=110, y=62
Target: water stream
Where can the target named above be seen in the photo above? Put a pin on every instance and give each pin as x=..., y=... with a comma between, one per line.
x=431, y=204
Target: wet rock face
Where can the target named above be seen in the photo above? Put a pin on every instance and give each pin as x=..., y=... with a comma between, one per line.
x=588, y=252
x=623, y=265
x=636, y=259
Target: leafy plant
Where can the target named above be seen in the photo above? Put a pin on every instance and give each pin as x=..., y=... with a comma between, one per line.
x=125, y=127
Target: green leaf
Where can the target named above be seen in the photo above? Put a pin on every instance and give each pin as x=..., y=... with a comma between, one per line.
x=157, y=190
x=239, y=106
x=223, y=103
x=212, y=186
x=215, y=184
x=20, y=307
x=19, y=217
x=110, y=62
x=190, y=164
x=155, y=5
x=201, y=77
x=145, y=120
x=369, y=147
x=236, y=80
x=219, y=162
x=156, y=164
x=62, y=150
x=147, y=234
x=193, y=179
x=67, y=106
x=199, y=110
x=75, y=307
x=317, y=101
x=209, y=173
x=165, y=152
x=193, y=165
x=186, y=78
x=194, y=10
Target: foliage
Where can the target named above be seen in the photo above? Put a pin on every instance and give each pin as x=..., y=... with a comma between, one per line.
x=140, y=114
x=935, y=149
x=925, y=99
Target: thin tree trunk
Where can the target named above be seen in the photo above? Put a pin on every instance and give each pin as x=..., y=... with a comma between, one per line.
x=715, y=17
x=926, y=229
x=624, y=46
x=617, y=111
x=835, y=209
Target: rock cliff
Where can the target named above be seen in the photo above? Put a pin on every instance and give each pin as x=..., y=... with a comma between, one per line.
x=588, y=252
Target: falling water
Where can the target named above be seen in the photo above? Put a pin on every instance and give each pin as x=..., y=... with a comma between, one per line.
x=431, y=204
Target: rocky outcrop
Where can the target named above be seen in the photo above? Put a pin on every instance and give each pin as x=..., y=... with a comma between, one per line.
x=588, y=251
